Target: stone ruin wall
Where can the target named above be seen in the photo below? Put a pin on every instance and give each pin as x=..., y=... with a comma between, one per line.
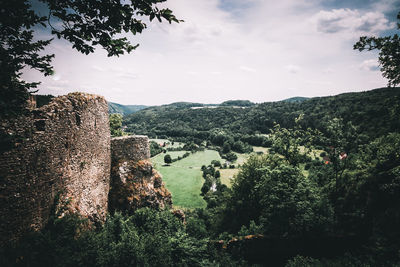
x=134, y=181
x=133, y=148
x=63, y=151
x=62, y=148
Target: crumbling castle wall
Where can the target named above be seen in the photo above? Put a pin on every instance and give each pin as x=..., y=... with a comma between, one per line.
x=62, y=149
x=134, y=181
x=134, y=147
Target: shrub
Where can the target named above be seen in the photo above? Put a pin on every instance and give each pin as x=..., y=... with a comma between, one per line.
x=216, y=163
x=167, y=159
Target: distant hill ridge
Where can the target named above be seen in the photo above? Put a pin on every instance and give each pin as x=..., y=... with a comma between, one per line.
x=124, y=109
x=238, y=103
x=296, y=99
x=373, y=112
x=129, y=109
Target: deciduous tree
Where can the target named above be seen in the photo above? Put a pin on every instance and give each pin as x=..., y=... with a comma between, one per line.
x=167, y=159
x=116, y=124
x=85, y=24
x=389, y=53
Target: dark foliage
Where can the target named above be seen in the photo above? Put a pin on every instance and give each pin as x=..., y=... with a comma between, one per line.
x=18, y=49
x=389, y=54
x=167, y=159
x=155, y=149
x=147, y=238
x=372, y=113
x=238, y=103
x=85, y=24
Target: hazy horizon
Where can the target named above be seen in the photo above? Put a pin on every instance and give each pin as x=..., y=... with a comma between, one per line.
x=216, y=103
x=256, y=50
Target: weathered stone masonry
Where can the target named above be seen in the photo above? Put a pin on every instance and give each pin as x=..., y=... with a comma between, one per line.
x=133, y=148
x=134, y=182
x=62, y=148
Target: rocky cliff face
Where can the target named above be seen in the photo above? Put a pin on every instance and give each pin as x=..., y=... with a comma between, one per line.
x=134, y=182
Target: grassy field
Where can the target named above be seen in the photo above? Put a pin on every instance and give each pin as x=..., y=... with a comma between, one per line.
x=183, y=178
x=264, y=150
x=198, y=159
x=242, y=158
x=169, y=144
x=159, y=159
x=227, y=175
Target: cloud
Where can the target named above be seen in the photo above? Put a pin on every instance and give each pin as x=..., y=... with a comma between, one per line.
x=239, y=49
x=292, y=68
x=216, y=73
x=127, y=75
x=370, y=65
x=352, y=21
x=192, y=73
x=327, y=71
x=98, y=68
x=56, y=88
x=247, y=69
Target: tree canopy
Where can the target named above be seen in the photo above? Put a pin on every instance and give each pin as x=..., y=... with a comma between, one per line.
x=167, y=159
x=389, y=53
x=85, y=24
x=116, y=124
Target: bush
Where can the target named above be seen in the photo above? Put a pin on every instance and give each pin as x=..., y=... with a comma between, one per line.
x=155, y=149
x=116, y=124
x=206, y=187
x=226, y=148
x=230, y=156
x=147, y=238
x=300, y=261
x=167, y=159
x=216, y=163
x=307, y=166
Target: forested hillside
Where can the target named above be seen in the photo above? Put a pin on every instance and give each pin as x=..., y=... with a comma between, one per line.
x=372, y=113
x=123, y=109
x=336, y=205
x=296, y=99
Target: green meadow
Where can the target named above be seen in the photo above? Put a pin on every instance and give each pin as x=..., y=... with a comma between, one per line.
x=261, y=149
x=227, y=175
x=169, y=143
x=183, y=177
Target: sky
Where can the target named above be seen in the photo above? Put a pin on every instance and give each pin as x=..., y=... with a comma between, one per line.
x=258, y=50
